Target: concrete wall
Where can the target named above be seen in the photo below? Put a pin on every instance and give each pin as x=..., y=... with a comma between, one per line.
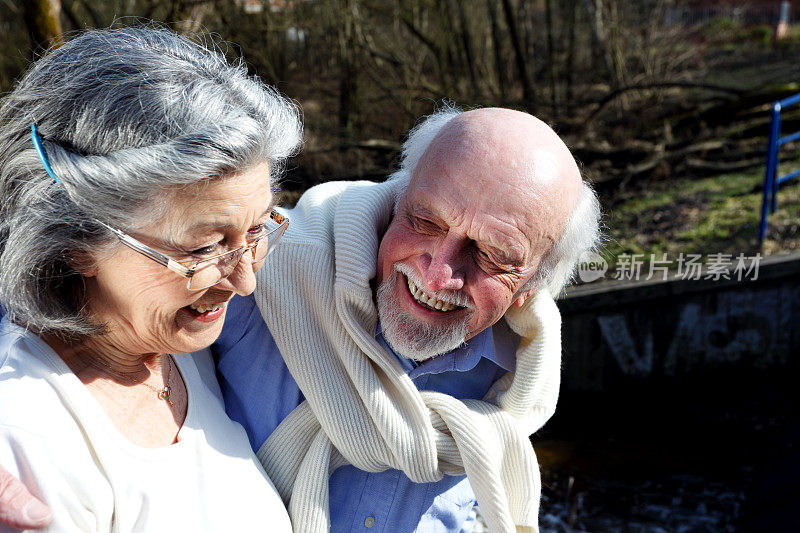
x=619, y=333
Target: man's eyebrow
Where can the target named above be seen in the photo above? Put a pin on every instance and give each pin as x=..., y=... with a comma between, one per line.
x=415, y=209
x=418, y=210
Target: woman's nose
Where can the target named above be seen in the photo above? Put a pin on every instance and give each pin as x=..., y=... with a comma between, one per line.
x=243, y=278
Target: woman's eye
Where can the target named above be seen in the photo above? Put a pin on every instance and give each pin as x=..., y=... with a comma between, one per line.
x=256, y=230
x=204, y=251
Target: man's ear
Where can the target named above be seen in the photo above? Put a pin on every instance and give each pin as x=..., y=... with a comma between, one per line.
x=521, y=298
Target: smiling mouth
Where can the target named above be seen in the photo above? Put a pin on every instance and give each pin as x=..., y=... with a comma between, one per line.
x=203, y=308
x=429, y=301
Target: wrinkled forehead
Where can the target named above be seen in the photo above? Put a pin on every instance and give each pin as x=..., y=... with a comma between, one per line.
x=523, y=187
x=225, y=197
x=485, y=171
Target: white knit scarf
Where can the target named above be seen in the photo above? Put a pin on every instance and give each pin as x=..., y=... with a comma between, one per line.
x=362, y=408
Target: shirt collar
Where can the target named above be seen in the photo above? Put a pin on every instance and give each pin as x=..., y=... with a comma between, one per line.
x=462, y=359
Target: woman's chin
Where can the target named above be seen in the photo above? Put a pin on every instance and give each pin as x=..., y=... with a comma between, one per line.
x=199, y=330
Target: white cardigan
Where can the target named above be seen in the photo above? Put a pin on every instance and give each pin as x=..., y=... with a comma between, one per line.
x=58, y=440
x=361, y=407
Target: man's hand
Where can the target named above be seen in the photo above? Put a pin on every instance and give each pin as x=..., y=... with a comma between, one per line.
x=18, y=508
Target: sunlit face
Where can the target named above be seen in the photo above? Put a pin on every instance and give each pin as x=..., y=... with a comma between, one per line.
x=148, y=308
x=469, y=232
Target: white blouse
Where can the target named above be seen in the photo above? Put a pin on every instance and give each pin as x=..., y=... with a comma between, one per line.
x=58, y=440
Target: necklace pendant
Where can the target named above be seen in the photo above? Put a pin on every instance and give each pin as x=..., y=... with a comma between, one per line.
x=163, y=394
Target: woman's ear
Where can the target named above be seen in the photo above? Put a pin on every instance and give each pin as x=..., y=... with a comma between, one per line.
x=84, y=263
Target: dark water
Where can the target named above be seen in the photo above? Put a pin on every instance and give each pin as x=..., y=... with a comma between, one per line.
x=683, y=503
x=717, y=454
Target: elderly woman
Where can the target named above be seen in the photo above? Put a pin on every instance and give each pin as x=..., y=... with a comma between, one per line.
x=136, y=175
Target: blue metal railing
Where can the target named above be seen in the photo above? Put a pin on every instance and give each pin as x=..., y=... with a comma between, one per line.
x=771, y=179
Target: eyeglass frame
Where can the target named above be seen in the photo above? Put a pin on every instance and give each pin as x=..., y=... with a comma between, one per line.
x=189, y=272
x=158, y=257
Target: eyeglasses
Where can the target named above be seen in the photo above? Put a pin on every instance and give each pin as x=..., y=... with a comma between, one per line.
x=208, y=272
x=204, y=273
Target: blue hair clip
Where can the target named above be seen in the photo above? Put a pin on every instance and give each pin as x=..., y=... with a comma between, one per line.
x=37, y=143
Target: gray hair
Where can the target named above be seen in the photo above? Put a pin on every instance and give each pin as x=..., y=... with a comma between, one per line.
x=126, y=115
x=582, y=233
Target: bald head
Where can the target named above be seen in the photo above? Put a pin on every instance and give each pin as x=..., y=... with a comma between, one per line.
x=525, y=139
x=513, y=132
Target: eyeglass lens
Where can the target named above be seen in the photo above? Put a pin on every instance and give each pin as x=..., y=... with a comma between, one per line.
x=212, y=272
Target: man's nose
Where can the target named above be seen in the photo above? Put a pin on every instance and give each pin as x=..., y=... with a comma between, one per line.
x=441, y=268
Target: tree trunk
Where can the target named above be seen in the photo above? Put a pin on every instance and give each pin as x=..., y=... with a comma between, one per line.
x=600, y=52
x=466, y=39
x=455, y=59
x=614, y=50
x=528, y=94
x=347, y=68
x=551, y=57
x=186, y=16
x=43, y=19
x=499, y=62
x=570, y=67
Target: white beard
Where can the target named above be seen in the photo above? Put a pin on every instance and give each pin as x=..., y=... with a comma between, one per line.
x=410, y=338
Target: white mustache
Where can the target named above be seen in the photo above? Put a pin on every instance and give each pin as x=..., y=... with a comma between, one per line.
x=457, y=298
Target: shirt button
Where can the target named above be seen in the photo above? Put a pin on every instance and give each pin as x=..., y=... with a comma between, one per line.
x=369, y=522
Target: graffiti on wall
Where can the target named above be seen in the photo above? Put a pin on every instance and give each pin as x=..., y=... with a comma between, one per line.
x=750, y=327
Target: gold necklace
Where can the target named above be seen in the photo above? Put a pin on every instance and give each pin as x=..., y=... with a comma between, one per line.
x=162, y=393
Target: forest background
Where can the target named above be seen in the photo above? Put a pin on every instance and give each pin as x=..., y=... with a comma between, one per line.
x=665, y=103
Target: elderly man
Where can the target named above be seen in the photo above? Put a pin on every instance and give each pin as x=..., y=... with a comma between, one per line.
x=381, y=301
x=382, y=308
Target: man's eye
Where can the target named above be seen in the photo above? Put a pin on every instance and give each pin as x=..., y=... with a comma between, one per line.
x=423, y=225
x=484, y=259
x=488, y=264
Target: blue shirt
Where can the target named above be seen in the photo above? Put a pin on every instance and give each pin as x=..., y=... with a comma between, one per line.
x=259, y=392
